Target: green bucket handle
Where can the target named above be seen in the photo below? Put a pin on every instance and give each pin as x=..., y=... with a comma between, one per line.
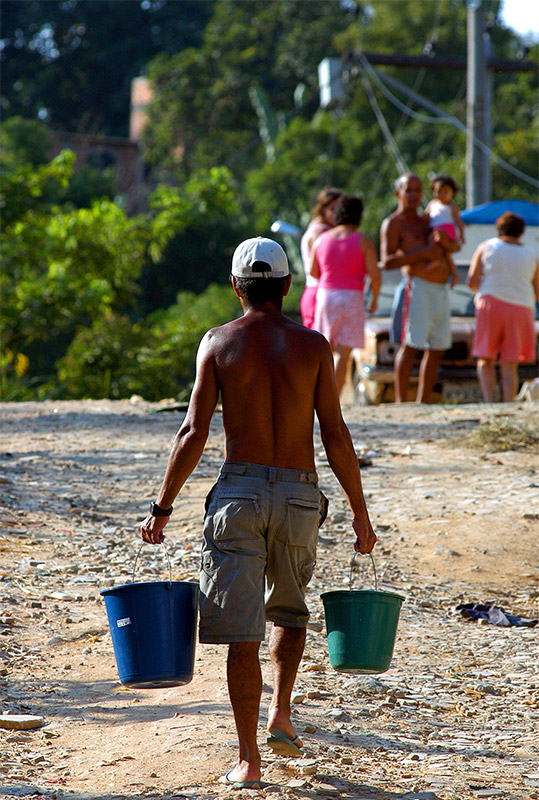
x=168, y=562
x=352, y=564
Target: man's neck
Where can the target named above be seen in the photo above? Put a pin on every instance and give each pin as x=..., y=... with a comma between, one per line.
x=268, y=307
x=409, y=212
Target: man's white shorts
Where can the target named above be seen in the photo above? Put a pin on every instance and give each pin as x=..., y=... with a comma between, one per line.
x=428, y=316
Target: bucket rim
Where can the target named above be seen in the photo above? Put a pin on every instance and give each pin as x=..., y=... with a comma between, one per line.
x=148, y=583
x=342, y=593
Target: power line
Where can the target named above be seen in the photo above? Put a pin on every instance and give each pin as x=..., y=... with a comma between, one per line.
x=441, y=118
x=395, y=152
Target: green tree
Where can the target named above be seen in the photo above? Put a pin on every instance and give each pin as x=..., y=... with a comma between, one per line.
x=71, y=284
x=71, y=63
x=194, y=230
x=154, y=358
x=61, y=268
x=202, y=112
x=26, y=144
x=346, y=146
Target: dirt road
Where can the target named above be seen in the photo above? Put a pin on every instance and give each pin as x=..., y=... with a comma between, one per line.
x=455, y=717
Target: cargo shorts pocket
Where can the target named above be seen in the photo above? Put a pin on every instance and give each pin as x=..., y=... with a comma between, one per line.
x=301, y=522
x=234, y=515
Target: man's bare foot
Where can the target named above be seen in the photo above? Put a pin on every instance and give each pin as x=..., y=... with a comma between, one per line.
x=243, y=776
x=279, y=725
x=284, y=745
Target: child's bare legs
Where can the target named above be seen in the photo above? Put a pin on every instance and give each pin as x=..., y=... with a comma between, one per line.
x=452, y=270
x=435, y=264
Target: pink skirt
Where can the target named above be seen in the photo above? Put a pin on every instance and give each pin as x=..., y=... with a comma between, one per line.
x=340, y=316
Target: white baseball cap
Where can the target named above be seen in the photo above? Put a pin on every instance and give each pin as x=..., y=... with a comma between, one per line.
x=259, y=258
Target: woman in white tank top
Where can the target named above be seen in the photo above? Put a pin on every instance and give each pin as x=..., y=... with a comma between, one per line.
x=505, y=275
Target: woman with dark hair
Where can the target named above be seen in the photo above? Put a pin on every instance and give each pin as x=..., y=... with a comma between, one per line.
x=342, y=258
x=505, y=275
x=322, y=220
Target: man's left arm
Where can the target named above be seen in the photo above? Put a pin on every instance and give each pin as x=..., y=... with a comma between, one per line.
x=340, y=451
x=190, y=439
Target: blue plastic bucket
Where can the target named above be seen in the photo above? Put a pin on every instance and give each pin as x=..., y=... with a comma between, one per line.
x=361, y=627
x=153, y=630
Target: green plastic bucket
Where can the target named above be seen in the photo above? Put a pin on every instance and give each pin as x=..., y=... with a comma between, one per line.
x=361, y=627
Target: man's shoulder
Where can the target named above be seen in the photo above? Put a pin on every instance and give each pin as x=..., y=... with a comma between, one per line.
x=299, y=330
x=214, y=336
x=392, y=219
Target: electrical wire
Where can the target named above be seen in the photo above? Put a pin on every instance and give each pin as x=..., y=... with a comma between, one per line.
x=441, y=118
x=427, y=50
x=395, y=152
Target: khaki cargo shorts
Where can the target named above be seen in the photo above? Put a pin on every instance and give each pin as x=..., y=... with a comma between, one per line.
x=258, y=551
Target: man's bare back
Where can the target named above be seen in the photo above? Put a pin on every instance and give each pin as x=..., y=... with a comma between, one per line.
x=267, y=368
x=273, y=376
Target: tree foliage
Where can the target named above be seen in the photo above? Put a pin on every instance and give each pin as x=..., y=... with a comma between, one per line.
x=72, y=281
x=154, y=358
x=96, y=303
x=72, y=62
x=203, y=114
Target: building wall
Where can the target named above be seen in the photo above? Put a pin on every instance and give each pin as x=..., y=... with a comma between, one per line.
x=476, y=234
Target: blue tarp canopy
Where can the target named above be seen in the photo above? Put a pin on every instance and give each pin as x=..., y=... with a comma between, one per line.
x=488, y=213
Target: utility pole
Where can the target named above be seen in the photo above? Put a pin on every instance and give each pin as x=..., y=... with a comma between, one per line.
x=480, y=66
x=478, y=111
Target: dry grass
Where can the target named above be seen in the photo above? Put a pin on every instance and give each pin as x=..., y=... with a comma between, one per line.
x=504, y=434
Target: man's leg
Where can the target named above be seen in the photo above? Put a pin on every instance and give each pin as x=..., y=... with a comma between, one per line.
x=245, y=689
x=286, y=647
x=404, y=362
x=487, y=378
x=428, y=372
x=509, y=376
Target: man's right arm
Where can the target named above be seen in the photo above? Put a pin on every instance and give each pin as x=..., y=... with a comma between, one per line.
x=190, y=439
x=340, y=450
x=393, y=256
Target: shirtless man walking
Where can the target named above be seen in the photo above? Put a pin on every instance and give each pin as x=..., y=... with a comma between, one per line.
x=404, y=243
x=262, y=515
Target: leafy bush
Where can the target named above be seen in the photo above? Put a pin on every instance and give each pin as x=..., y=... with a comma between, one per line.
x=154, y=358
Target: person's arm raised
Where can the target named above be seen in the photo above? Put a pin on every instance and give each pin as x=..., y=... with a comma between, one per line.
x=190, y=439
x=340, y=450
x=458, y=222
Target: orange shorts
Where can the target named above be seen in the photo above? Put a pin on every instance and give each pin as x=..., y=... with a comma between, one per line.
x=504, y=330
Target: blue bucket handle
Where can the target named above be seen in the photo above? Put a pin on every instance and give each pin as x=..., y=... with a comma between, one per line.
x=352, y=564
x=168, y=562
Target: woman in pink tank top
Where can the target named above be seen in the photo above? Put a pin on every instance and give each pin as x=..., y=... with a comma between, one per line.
x=342, y=258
